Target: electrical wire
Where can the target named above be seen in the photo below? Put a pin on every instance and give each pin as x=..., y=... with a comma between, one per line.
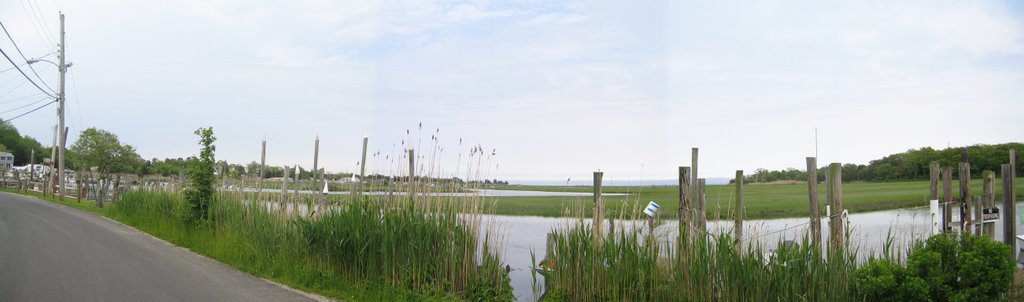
x=78, y=103
x=26, y=105
x=26, y=61
x=20, y=83
x=23, y=73
x=12, y=68
x=20, y=98
x=36, y=24
x=25, y=58
x=33, y=110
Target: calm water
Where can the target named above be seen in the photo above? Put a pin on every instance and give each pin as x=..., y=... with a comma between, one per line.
x=868, y=232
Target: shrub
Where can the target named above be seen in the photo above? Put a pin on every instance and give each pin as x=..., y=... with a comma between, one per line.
x=944, y=268
x=883, y=280
x=199, y=194
x=973, y=268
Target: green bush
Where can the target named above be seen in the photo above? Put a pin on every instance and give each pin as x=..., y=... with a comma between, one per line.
x=945, y=268
x=972, y=268
x=199, y=193
x=883, y=280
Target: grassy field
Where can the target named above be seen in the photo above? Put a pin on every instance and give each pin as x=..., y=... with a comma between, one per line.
x=762, y=201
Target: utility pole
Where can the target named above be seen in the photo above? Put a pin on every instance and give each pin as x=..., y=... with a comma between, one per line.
x=60, y=109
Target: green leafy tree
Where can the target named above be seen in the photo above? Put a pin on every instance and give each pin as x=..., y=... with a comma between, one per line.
x=20, y=146
x=199, y=193
x=101, y=149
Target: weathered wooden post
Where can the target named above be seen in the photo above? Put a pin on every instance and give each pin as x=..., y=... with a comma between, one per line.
x=699, y=215
x=812, y=195
x=549, y=247
x=933, y=176
x=298, y=177
x=977, y=221
x=1013, y=190
x=284, y=185
x=1009, y=208
x=316, y=157
x=181, y=178
x=362, y=164
x=836, y=201
x=738, y=221
x=598, y=207
x=412, y=174
x=685, y=223
x=263, y=167
x=694, y=152
x=988, y=201
x=965, y=191
x=947, y=199
x=117, y=189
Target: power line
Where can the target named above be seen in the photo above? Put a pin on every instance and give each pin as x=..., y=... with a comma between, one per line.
x=78, y=104
x=20, y=83
x=33, y=110
x=20, y=98
x=23, y=73
x=26, y=61
x=9, y=69
x=23, y=56
x=35, y=24
x=26, y=105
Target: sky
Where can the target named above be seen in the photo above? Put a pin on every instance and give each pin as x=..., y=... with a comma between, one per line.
x=549, y=90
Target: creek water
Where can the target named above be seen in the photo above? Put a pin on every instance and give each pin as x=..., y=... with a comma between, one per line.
x=868, y=234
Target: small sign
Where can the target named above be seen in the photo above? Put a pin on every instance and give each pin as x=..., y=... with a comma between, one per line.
x=990, y=214
x=652, y=209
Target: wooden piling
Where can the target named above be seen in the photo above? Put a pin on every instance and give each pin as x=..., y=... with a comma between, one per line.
x=685, y=222
x=699, y=215
x=549, y=247
x=316, y=157
x=694, y=152
x=812, y=195
x=263, y=166
x=1013, y=190
x=1009, y=208
x=362, y=164
x=933, y=173
x=947, y=199
x=284, y=186
x=977, y=220
x=965, y=196
x=598, y=206
x=988, y=201
x=837, y=233
x=738, y=220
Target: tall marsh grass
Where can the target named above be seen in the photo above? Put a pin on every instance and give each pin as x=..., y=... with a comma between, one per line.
x=427, y=248
x=631, y=266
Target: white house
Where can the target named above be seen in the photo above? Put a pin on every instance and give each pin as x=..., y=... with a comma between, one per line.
x=6, y=160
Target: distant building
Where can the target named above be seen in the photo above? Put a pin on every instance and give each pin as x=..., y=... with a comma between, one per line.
x=6, y=160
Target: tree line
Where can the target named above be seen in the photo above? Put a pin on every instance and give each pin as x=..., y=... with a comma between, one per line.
x=910, y=165
x=103, y=149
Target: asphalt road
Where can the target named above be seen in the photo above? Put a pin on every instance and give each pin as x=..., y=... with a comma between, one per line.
x=50, y=252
